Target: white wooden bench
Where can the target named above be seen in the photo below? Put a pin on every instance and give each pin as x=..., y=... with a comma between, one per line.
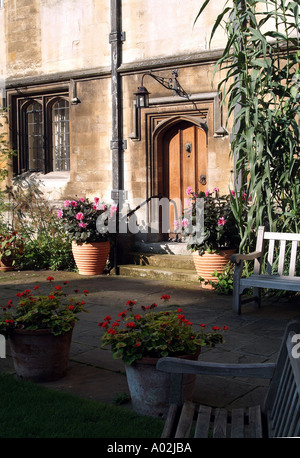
x=269, y=269
x=279, y=417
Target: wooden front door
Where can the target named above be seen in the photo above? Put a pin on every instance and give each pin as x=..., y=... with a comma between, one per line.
x=183, y=164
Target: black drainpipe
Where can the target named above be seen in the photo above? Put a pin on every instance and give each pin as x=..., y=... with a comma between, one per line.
x=117, y=144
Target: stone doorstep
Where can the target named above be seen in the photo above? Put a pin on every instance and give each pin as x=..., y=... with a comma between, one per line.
x=162, y=260
x=156, y=265
x=158, y=273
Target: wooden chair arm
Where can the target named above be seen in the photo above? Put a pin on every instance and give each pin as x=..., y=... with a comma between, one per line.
x=236, y=258
x=184, y=366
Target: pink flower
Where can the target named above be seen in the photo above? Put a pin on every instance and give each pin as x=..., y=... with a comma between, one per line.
x=185, y=222
x=216, y=189
x=176, y=224
x=74, y=203
x=113, y=209
x=60, y=214
x=81, y=199
x=189, y=190
x=221, y=221
x=103, y=207
x=96, y=200
x=207, y=192
x=232, y=193
x=80, y=216
x=82, y=224
x=66, y=203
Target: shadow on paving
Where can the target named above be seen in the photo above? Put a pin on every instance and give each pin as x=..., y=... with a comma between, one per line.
x=254, y=336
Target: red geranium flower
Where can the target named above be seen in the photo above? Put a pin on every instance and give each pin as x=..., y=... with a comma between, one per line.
x=130, y=324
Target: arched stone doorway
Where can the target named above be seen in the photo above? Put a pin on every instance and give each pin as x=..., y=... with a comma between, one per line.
x=181, y=161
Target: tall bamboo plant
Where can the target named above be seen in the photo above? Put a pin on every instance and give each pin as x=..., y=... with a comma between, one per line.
x=262, y=78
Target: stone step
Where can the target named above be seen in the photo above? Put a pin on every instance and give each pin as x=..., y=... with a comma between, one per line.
x=174, y=248
x=159, y=273
x=162, y=260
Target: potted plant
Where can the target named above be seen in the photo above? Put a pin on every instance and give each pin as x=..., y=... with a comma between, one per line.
x=11, y=244
x=140, y=337
x=215, y=243
x=39, y=331
x=82, y=220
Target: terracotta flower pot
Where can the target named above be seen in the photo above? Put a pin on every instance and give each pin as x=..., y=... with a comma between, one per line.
x=206, y=264
x=6, y=265
x=90, y=258
x=39, y=355
x=150, y=389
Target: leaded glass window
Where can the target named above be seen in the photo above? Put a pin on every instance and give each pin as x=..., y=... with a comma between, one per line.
x=60, y=131
x=34, y=137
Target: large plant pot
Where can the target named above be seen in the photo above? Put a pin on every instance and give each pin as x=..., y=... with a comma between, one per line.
x=39, y=355
x=208, y=263
x=6, y=265
x=90, y=258
x=150, y=389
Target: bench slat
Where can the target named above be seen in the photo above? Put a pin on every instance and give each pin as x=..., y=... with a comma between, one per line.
x=220, y=424
x=270, y=256
x=186, y=420
x=203, y=422
x=293, y=258
x=289, y=236
x=170, y=423
x=237, y=424
x=281, y=257
x=294, y=427
x=255, y=422
x=272, y=281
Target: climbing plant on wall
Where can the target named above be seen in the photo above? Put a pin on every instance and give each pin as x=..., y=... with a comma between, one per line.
x=261, y=87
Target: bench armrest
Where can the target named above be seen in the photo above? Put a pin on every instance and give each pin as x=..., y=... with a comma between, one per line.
x=184, y=366
x=236, y=258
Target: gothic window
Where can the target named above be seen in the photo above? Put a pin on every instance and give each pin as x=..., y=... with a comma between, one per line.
x=44, y=144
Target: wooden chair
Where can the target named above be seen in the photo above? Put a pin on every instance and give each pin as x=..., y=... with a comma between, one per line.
x=278, y=417
x=274, y=278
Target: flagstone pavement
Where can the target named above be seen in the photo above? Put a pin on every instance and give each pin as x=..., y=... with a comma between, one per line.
x=253, y=336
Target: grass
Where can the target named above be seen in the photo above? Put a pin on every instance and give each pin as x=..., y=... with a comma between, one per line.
x=31, y=411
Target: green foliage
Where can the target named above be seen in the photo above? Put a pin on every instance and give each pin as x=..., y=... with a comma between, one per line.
x=223, y=283
x=54, y=311
x=261, y=88
x=11, y=244
x=154, y=334
x=121, y=398
x=47, y=252
x=46, y=246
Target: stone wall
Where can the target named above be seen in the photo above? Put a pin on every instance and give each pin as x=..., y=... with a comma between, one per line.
x=51, y=42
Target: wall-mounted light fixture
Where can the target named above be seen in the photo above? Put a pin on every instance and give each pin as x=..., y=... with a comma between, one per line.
x=142, y=94
x=73, y=93
x=142, y=97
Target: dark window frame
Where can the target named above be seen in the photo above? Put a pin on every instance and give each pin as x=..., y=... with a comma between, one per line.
x=20, y=131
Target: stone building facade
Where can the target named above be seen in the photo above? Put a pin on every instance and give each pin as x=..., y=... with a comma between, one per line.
x=71, y=71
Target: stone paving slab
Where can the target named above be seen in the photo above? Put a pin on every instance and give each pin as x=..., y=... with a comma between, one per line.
x=253, y=336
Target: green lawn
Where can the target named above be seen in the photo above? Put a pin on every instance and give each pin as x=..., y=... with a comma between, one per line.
x=30, y=411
